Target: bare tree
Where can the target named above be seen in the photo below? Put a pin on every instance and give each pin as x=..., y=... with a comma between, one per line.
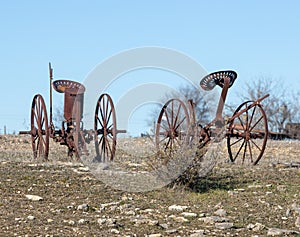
x=58, y=116
x=203, y=102
x=279, y=106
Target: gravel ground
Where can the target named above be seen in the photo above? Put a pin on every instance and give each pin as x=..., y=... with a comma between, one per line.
x=61, y=197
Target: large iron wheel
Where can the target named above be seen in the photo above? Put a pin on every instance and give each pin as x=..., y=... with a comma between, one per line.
x=172, y=127
x=105, y=127
x=248, y=133
x=39, y=128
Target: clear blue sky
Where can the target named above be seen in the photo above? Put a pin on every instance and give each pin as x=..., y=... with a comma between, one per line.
x=252, y=37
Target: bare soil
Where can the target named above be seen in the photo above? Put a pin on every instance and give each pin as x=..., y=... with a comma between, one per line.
x=74, y=203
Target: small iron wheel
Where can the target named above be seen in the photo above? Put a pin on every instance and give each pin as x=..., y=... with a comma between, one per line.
x=39, y=128
x=172, y=127
x=248, y=133
x=105, y=129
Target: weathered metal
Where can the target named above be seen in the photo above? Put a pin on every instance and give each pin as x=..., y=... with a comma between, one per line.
x=248, y=123
x=72, y=134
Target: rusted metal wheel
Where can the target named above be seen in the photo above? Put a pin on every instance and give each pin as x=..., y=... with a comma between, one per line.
x=248, y=133
x=39, y=128
x=105, y=127
x=172, y=127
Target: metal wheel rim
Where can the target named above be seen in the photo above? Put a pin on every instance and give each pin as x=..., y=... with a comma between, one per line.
x=171, y=131
x=247, y=146
x=39, y=128
x=105, y=128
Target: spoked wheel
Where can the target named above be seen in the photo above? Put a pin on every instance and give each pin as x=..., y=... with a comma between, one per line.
x=105, y=129
x=39, y=128
x=248, y=133
x=172, y=127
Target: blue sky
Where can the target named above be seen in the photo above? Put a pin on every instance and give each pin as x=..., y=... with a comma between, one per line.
x=252, y=37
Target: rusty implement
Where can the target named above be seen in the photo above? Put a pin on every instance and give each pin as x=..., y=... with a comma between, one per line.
x=72, y=133
x=246, y=131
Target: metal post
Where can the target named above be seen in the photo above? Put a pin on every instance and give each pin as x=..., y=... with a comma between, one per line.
x=51, y=78
x=219, y=118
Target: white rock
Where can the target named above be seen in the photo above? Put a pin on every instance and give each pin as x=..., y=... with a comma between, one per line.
x=198, y=233
x=177, y=208
x=178, y=218
x=101, y=221
x=33, y=197
x=280, y=232
x=213, y=219
x=224, y=226
x=255, y=227
x=296, y=208
x=220, y=212
x=83, y=221
x=189, y=214
x=114, y=231
x=84, y=207
x=70, y=222
x=155, y=235
x=30, y=217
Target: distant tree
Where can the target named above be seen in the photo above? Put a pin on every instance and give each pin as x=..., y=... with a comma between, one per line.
x=279, y=106
x=203, y=102
x=58, y=116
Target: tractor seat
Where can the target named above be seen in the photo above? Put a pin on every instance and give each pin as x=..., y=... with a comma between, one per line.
x=217, y=78
x=71, y=86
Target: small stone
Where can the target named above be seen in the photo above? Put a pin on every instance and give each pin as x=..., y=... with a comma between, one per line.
x=33, y=197
x=189, y=214
x=129, y=213
x=84, y=169
x=255, y=227
x=224, y=226
x=49, y=220
x=177, y=208
x=114, y=231
x=255, y=186
x=280, y=232
x=30, y=217
x=101, y=221
x=220, y=212
x=83, y=221
x=281, y=188
x=213, y=219
x=83, y=207
x=155, y=235
x=164, y=226
x=70, y=222
x=198, y=233
x=296, y=208
x=233, y=193
x=297, y=223
x=172, y=231
x=180, y=219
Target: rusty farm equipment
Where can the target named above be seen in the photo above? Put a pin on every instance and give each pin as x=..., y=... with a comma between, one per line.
x=72, y=134
x=246, y=131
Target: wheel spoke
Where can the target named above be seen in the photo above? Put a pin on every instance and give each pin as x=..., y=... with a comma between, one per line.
x=256, y=123
x=253, y=112
x=237, y=154
x=232, y=144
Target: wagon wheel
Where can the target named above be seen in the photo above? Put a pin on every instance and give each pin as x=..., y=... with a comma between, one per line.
x=105, y=129
x=248, y=133
x=172, y=127
x=39, y=128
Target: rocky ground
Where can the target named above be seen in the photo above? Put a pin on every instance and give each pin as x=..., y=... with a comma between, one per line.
x=61, y=197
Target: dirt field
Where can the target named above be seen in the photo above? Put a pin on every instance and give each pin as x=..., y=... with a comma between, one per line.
x=62, y=197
